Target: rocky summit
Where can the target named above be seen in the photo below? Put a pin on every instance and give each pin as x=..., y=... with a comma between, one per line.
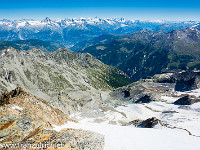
x=27, y=123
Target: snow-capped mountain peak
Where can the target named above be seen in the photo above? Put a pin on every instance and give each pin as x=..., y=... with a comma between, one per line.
x=47, y=20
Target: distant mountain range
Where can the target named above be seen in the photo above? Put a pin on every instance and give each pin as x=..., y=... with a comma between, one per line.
x=143, y=54
x=69, y=32
x=139, y=48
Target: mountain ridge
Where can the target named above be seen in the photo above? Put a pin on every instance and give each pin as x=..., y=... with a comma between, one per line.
x=67, y=31
x=45, y=46
x=143, y=54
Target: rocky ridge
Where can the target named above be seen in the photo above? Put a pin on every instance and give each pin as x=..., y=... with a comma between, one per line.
x=46, y=46
x=66, y=79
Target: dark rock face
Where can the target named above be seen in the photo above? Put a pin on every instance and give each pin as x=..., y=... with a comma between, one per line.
x=144, y=99
x=126, y=94
x=4, y=98
x=184, y=81
x=11, y=76
x=183, y=101
x=149, y=123
x=187, y=100
x=187, y=85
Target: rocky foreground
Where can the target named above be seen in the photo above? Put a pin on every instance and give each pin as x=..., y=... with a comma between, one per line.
x=27, y=122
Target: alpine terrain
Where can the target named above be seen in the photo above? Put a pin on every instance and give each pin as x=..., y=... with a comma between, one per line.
x=120, y=85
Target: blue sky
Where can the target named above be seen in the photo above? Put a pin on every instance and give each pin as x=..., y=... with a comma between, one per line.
x=131, y=9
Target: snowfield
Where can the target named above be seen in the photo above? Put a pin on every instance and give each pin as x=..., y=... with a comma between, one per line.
x=117, y=137
x=158, y=138
x=131, y=138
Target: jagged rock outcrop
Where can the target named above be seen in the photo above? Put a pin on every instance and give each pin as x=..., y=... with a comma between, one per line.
x=27, y=122
x=20, y=103
x=184, y=80
x=149, y=123
x=6, y=97
x=142, y=91
x=183, y=101
x=144, y=99
x=187, y=100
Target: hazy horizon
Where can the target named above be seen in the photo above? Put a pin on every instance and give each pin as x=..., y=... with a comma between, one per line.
x=132, y=19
